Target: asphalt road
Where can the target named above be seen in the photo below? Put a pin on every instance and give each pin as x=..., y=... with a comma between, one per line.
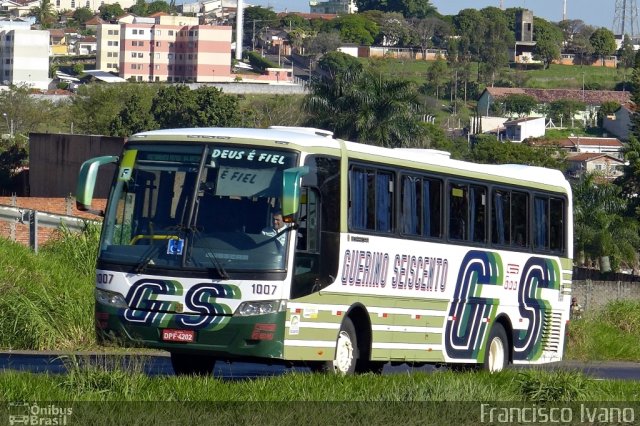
x=160, y=364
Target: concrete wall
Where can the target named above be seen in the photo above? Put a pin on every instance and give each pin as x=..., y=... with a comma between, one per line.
x=55, y=159
x=596, y=294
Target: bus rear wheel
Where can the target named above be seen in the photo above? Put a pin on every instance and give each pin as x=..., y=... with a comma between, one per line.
x=496, y=356
x=347, y=353
x=192, y=365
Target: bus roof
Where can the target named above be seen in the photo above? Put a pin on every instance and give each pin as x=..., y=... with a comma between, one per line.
x=309, y=137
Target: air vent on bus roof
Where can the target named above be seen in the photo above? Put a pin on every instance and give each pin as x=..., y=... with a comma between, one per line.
x=305, y=130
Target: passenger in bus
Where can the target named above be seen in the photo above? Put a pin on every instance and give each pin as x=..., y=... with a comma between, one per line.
x=277, y=230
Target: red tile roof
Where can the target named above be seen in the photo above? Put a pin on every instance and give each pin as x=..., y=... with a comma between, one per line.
x=590, y=156
x=575, y=141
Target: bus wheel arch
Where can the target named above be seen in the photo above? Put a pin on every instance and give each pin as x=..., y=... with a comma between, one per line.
x=364, y=334
x=498, y=353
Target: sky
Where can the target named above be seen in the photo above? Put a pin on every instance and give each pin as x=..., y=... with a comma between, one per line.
x=599, y=13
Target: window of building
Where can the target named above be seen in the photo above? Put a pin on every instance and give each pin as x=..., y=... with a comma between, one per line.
x=141, y=32
x=157, y=56
x=73, y=4
x=140, y=55
x=139, y=78
x=157, y=32
x=157, y=67
x=134, y=31
x=170, y=32
x=87, y=4
x=134, y=66
x=57, y=3
x=157, y=44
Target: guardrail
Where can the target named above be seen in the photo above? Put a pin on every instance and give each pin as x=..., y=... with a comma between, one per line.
x=36, y=219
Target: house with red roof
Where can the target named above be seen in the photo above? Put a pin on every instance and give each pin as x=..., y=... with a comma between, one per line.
x=607, y=166
x=590, y=145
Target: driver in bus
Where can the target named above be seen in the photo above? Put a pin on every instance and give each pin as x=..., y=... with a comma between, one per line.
x=277, y=231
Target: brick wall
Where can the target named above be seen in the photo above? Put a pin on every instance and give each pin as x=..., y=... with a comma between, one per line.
x=65, y=206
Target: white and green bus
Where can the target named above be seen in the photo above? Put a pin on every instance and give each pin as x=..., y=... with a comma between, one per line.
x=389, y=255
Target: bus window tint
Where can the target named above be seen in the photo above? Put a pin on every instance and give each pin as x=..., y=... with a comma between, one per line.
x=420, y=206
x=556, y=230
x=541, y=223
x=371, y=202
x=501, y=217
x=458, y=211
x=478, y=212
x=519, y=219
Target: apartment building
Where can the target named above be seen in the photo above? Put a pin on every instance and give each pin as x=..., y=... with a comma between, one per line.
x=24, y=57
x=175, y=53
x=108, y=47
x=60, y=5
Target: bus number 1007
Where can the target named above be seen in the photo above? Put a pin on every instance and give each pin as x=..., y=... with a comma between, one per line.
x=264, y=288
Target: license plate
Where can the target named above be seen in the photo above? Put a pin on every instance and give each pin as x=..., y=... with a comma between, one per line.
x=185, y=336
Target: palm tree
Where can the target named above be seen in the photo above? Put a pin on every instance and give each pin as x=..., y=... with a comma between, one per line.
x=44, y=14
x=601, y=227
x=362, y=105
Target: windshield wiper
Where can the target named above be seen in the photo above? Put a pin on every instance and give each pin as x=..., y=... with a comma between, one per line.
x=146, y=260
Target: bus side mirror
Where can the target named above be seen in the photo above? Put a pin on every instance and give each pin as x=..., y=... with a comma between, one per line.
x=87, y=182
x=291, y=189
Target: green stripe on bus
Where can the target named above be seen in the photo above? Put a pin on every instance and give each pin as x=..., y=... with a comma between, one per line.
x=423, y=321
x=313, y=334
x=407, y=337
x=368, y=301
x=308, y=353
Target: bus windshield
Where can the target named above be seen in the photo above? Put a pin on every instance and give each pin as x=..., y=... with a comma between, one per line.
x=202, y=207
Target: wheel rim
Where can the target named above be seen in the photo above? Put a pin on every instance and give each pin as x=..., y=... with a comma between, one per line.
x=344, y=353
x=496, y=355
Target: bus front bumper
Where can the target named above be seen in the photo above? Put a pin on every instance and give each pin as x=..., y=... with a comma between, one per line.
x=225, y=337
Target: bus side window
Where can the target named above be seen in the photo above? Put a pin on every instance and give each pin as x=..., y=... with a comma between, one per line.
x=556, y=231
x=458, y=211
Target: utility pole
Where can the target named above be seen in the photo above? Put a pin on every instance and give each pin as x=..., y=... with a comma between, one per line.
x=239, y=29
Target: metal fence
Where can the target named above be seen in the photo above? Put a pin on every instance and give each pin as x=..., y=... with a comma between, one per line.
x=35, y=219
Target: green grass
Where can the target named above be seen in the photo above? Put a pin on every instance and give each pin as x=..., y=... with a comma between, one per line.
x=611, y=334
x=556, y=77
x=97, y=383
x=570, y=77
x=46, y=300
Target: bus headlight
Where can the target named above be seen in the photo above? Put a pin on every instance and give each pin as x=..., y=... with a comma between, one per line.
x=261, y=307
x=110, y=298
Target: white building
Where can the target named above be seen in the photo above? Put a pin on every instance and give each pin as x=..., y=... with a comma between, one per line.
x=60, y=5
x=24, y=57
x=524, y=128
x=338, y=7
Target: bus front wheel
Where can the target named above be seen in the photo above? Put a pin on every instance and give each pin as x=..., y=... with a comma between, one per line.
x=496, y=356
x=192, y=365
x=347, y=354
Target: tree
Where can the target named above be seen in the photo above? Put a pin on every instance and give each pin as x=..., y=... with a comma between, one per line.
x=134, y=117
x=497, y=40
x=82, y=15
x=337, y=63
x=429, y=32
x=322, y=43
x=627, y=53
x=96, y=106
x=393, y=28
x=548, y=39
x=519, y=104
x=109, y=12
x=564, y=109
x=437, y=75
x=179, y=107
x=256, y=19
x=580, y=44
x=601, y=228
x=158, y=6
x=44, y=14
x=603, y=42
x=488, y=150
x=356, y=28
x=140, y=8
x=365, y=106
x=408, y=8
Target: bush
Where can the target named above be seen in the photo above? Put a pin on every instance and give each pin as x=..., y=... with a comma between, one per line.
x=258, y=62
